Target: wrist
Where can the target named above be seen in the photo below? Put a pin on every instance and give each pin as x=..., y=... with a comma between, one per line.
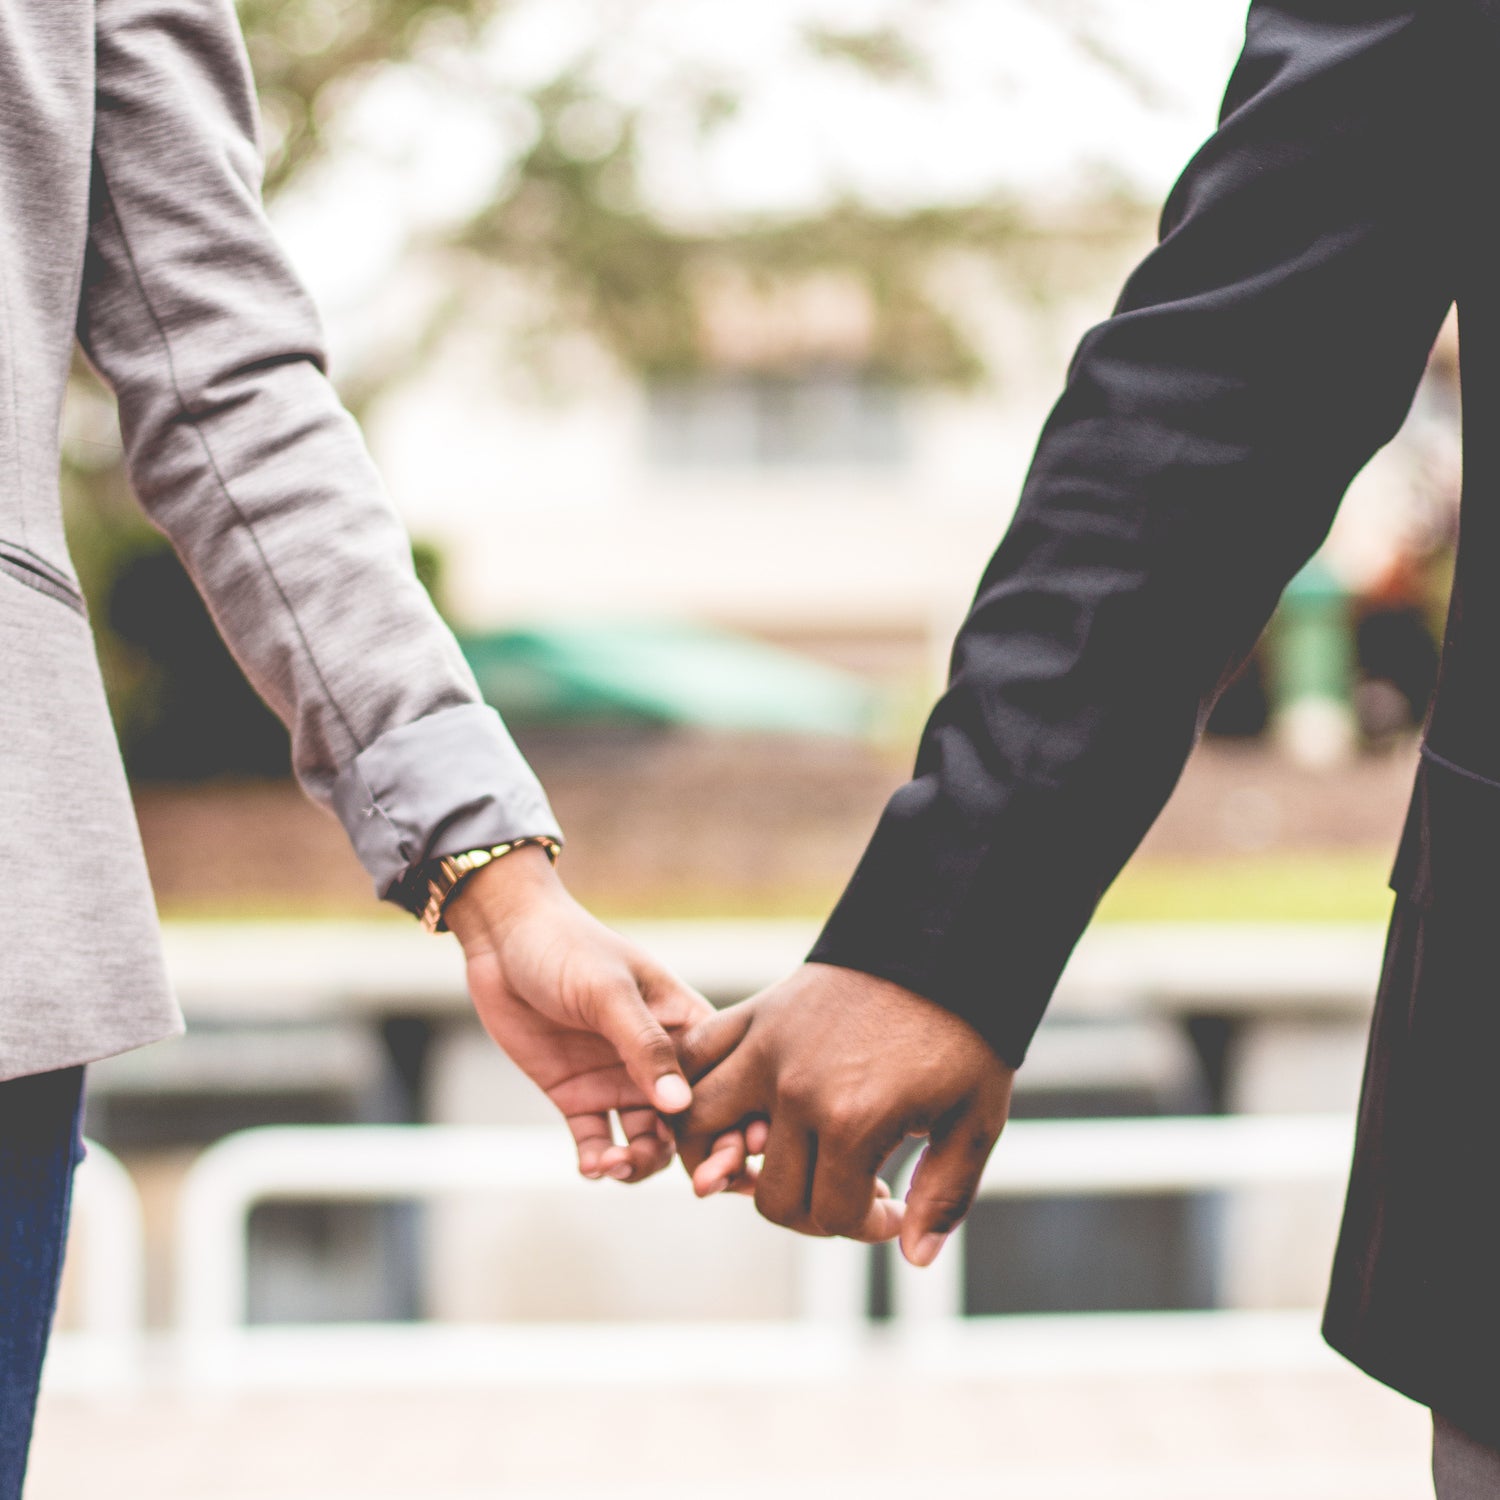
x=491, y=899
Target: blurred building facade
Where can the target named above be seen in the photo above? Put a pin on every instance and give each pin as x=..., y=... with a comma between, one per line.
x=789, y=490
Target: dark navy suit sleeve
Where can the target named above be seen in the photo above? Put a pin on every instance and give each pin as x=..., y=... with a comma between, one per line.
x=1265, y=349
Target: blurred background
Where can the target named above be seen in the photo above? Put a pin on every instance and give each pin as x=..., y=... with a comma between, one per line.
x=703, y=350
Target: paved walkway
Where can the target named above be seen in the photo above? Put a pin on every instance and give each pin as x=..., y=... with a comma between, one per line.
x=1315, y=1431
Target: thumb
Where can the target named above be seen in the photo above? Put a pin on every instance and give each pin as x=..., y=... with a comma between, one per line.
x=944, y=1185
x=622, y=1017
x=728, y=1096
x=711, y=1041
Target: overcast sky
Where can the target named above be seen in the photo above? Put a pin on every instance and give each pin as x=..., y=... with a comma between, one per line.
x=1015, y=101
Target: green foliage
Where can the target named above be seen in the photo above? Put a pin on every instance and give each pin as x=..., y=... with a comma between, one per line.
x=568, y=214
x=883, y=52
x=309, y=56
x=572, y=219
x=427, y=559
x=578, y=229
x=190, y=713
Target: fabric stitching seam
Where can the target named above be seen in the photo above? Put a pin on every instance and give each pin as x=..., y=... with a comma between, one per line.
x=44, y=586
x=373, y=805
x=196, y=425
x=1428, y=753
x=15, y=410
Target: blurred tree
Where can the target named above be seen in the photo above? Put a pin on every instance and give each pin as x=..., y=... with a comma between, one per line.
x=569, y=218
x=310, y=56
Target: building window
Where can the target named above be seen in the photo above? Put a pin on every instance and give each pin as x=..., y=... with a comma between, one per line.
x=759, y=421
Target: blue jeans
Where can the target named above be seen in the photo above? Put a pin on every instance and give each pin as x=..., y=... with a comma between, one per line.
x=40, y=1146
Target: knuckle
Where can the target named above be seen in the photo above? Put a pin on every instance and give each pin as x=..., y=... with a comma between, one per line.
x=691, y=1054
x=599, y=988
x=799, y=1091
x=772, y=1206
x=841, y=1120
x=693, y=1140
x=842, y=1219
x=778, y=1215
x=653, y=1043
x=711, y=1113
x=598, y=1010
x=946, y=1211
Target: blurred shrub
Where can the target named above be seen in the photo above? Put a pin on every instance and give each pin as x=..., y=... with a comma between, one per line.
x=182, y=707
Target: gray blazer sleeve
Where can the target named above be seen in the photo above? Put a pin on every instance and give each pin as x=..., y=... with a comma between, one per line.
x=241, y=452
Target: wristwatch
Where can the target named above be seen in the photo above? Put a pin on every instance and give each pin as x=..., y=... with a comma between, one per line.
x=442, y=877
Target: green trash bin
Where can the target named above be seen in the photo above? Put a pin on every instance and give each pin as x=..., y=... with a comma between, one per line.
x=1313, y=667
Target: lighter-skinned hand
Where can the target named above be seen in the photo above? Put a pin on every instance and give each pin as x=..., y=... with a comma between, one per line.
x=584, y=1013
x=841, y=1068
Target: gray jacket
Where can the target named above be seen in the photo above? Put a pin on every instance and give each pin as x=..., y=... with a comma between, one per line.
x=130, y=214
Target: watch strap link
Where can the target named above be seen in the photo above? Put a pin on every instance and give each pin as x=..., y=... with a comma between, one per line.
x=444, y=876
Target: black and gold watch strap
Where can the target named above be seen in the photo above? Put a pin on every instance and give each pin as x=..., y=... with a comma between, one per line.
x=444, y=876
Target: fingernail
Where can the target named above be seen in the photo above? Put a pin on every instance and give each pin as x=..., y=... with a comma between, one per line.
x=623, y=1172
x=592, y=1173
x=673, y=1094
x=927, y=1249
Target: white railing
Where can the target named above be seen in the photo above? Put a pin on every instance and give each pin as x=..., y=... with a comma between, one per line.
x=392, y=1163
x=1128, y=1157
x=1103, y=1157
x=106, y=1247
x=405, y=1162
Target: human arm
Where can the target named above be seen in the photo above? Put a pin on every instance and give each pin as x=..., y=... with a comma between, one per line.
x=1258, y=357
x=1261, y=354
x=240, y=451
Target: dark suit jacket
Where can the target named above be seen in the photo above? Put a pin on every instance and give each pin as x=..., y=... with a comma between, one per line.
x=1259, y=356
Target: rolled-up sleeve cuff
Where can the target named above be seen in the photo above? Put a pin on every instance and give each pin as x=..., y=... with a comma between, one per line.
x=452, y=781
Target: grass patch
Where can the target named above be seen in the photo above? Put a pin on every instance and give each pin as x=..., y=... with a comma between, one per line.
x=1333, y=886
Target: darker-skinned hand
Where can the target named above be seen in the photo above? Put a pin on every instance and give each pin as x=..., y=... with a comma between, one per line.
x=842, y=1067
